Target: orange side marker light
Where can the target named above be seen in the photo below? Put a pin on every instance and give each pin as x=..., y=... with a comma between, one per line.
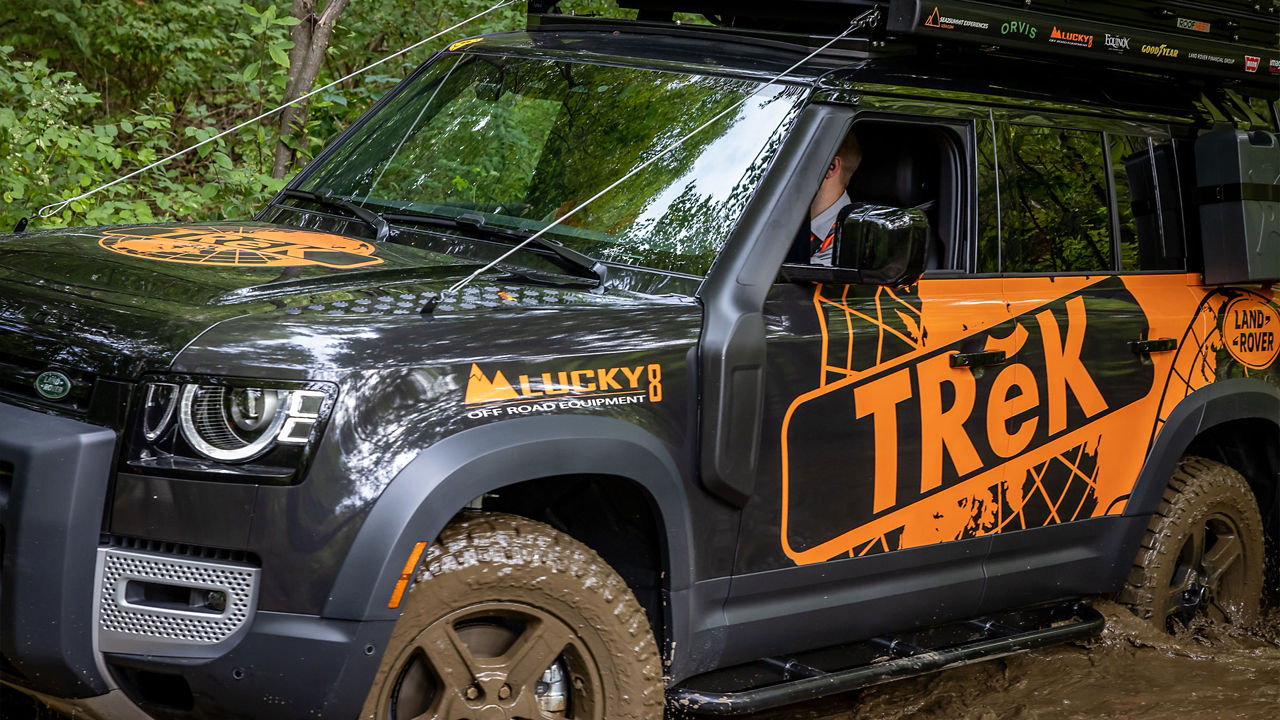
x=398, y=594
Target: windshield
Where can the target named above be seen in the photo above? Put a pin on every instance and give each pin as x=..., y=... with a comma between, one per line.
x=521, y=142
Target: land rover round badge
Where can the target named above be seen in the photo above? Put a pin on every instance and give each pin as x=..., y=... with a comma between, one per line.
x=53, y=385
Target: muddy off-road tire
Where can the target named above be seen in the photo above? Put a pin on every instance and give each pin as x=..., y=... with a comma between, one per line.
x=1203, y=553
x=509, y=618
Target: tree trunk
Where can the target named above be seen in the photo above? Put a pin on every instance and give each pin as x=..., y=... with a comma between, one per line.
x=310, y=40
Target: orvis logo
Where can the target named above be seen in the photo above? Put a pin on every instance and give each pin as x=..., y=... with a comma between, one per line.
x=53, y=385
x=1018, y=27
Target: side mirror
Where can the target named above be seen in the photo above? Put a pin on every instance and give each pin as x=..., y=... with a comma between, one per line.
x=885, y=245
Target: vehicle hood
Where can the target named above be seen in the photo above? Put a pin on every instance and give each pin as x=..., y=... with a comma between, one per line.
x=124, y=300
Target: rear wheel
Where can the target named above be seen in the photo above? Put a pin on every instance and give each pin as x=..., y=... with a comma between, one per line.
x=510, y=619
x=1203, y=553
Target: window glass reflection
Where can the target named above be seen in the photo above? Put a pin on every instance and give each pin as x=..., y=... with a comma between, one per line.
x=523, y=142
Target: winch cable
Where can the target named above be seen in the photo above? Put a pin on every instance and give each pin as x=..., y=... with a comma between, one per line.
x=54, y=208
x=866, y=19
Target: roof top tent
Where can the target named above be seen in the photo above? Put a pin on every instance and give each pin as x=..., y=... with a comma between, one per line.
x=1228, y=39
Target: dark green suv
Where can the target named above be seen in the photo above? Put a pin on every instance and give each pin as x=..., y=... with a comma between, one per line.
x=451, y=431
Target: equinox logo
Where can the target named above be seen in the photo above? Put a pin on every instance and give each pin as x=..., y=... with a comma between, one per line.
x=1117, y=42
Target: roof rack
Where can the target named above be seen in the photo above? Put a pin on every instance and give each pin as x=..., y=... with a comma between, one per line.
x=1223, y=39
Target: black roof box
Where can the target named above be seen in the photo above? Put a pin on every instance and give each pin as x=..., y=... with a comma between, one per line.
x=1212, y=38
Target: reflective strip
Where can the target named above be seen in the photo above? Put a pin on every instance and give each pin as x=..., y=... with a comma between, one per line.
x=398, y=593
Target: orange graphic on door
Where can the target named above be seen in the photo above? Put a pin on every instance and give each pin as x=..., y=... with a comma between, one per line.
x=240, y=246
x=1043, y=436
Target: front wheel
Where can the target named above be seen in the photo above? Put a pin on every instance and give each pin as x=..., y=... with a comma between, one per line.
x=1203, y=553
x=512, y=620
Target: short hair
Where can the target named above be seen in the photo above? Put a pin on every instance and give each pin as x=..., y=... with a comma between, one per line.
x=850, y=154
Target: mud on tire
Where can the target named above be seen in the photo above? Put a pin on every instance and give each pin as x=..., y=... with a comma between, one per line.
x=1203, y=553
x=509, y=618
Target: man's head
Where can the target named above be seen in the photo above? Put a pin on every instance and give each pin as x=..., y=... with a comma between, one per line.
x=847, y=158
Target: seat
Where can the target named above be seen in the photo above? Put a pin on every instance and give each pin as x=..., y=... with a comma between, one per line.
x=900, y=168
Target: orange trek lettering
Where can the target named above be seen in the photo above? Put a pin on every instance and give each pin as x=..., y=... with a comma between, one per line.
x=1063, y=366
x=944, y=428
x=880, y=399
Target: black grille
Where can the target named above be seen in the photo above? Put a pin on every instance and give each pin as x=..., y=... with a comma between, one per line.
x=181, y=549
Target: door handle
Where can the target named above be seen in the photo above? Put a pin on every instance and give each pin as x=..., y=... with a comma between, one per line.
x=1153, y=346
x=977, y=359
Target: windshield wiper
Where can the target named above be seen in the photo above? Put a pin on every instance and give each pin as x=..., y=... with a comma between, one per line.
x=576, y=263
x=325, y=196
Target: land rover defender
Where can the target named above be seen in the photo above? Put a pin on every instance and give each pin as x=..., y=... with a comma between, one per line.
x=327, y=463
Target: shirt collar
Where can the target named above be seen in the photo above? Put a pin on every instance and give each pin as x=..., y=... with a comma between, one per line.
x=821, y=224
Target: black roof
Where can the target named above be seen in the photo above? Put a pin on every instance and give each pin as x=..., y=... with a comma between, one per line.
x=1230, y=42
x=987, y=75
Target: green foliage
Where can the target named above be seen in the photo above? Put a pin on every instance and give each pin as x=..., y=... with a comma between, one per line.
x=94, y=89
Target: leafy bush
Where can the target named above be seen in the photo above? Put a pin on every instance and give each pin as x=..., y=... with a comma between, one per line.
x=91, y=90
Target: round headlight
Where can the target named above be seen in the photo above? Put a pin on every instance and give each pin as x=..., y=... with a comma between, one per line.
x=231, y=423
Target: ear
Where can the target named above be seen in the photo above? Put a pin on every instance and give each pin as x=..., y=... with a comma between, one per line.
x=833, y=169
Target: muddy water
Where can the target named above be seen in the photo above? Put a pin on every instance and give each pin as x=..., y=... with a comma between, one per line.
x=1130, y=672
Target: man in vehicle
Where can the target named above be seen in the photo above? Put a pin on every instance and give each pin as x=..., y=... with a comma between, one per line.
x=831, y=198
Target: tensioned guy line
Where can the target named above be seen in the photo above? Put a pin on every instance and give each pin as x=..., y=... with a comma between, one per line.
x=865, y=18
x=53, y=208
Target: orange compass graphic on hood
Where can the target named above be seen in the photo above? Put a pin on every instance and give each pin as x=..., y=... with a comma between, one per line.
x=239, y=246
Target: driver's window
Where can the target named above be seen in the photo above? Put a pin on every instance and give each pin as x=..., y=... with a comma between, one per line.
x=886, y=163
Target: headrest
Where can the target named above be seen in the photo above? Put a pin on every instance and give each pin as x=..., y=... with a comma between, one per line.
x=899, y=167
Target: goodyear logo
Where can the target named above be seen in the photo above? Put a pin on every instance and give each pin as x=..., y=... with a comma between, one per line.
x=501, y=393
x=234, y=246
x=1161, y=50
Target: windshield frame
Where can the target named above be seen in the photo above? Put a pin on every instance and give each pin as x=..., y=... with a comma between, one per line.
x=803, y=88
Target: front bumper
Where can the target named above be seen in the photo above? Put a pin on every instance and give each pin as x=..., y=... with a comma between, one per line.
x=51, y=507
x=128, y=629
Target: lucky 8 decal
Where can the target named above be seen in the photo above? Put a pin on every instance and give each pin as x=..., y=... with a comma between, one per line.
x=239, y=246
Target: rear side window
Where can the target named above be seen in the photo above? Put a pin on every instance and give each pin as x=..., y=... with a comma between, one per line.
x=1055, y=200
x=1147, y=209
x=1054, y=209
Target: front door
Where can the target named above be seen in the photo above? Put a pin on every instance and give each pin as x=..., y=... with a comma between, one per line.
x=861, y=522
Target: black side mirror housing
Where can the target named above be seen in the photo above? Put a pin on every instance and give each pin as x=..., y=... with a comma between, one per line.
x=874, y=245
x=886, y=245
